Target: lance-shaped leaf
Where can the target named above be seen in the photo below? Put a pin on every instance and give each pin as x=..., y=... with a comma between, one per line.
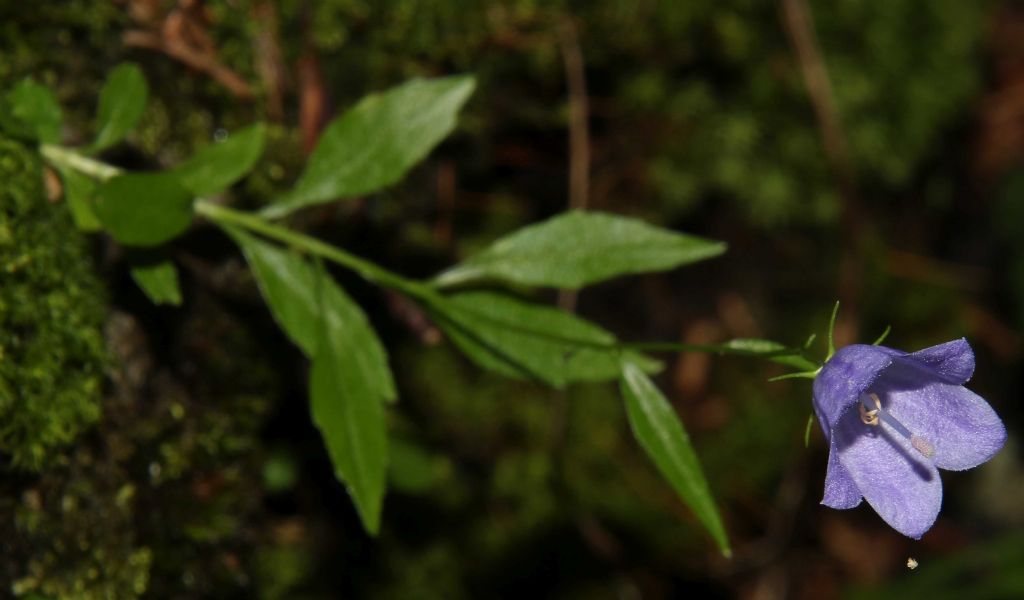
x=295, y=293
x=350, y=415
x=217, y=166
x=662, y=436
x=159, y=281
x=579, y=248
x=80, y=193
x=144, y=209
x=520, y=339
x=31, y=111
x=122, y=102
x=373, y=145
x=769, y=350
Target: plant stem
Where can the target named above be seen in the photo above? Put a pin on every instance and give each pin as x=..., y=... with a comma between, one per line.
x=62, y=157
x=59, y=156
x=368, y=270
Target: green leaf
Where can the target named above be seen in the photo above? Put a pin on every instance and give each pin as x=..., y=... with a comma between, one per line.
x=217, y=166
x=768, y=349
x=347, y=408
x=80, y=192
x=661, y=434
x=375, y=143
x=159, y=281
x=294, y=293
x=144, y=209
x=31, y=111
x=579, y=248
x=122, y=102
x=831, y=331
x=288, y=284
x=807, y=430
x=521, y=339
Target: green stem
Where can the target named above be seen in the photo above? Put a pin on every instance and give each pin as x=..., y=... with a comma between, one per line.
x=59, y=156
x=368, y=270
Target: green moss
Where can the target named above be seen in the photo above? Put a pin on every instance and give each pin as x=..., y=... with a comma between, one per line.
x=165, y=499
x=51, y=313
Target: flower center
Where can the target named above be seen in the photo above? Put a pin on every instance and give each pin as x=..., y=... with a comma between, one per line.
x=874, y=416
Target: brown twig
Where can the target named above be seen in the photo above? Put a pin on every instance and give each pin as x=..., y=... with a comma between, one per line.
x=313, y=104
x=579, y=132
x=800, y=28
x=192, y=57
x=269, y=64
x=446, y=186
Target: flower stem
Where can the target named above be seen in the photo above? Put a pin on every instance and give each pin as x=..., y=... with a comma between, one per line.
x=368, y=270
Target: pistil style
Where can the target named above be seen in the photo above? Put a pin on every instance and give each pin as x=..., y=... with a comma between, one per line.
x=873, y=416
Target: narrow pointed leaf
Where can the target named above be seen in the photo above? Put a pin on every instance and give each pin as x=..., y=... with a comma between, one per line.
x=288, y=284
x=350, y=416
x=122, y=102
x=294, y=293
x=768, y=349
x=579, y=248
x=517, y=338
x=217, y=166
x=144, y=209
x=660, y=433
x=30, y=111
x=80, y=194
x=375, y=143
x=159, y=281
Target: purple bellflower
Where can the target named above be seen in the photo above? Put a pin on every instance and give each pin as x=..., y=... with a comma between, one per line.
x=892, y=419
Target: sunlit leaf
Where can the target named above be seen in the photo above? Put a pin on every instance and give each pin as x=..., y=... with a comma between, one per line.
x=579, y=248
x=30, y=111
x=660, y=433
x=122, y=102
x=144, y=209
x=217, y=166
x=373, y=145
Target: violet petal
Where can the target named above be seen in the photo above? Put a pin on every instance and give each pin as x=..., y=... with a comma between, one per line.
x=845, y=377
x=959, y=424
x=902, y=486
x=953, y=361
x=841, y=490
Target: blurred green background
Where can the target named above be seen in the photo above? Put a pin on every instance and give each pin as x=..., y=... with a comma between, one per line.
x=867, y=151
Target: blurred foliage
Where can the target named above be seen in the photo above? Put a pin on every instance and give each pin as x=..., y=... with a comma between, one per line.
x=51, y=312
x=692, y=102
x=991, y=570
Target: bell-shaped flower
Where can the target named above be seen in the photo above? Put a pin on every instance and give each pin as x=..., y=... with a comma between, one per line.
x=892, y=419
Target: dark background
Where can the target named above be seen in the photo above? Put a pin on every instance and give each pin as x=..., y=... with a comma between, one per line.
x=864, y=151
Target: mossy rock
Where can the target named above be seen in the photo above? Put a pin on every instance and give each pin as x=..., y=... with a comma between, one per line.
x=51, y=315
